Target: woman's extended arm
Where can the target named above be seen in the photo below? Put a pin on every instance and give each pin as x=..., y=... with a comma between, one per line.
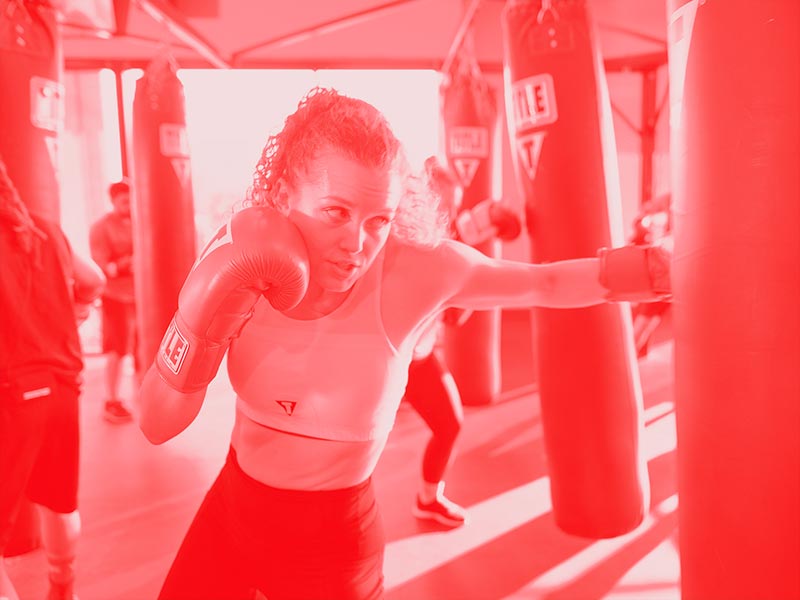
x=482, y=282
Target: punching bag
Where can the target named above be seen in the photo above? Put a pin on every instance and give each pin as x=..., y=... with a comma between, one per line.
x=31, y=102
x=469, y=115
x=736, y=281
x=31, y=117
x=163, y=207
x=560, y=126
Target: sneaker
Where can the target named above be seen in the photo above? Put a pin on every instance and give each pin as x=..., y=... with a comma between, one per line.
x=61, y=591
x=441, y=510
x=115, y=412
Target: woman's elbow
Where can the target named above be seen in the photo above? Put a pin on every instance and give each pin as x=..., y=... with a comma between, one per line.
x=163, y=411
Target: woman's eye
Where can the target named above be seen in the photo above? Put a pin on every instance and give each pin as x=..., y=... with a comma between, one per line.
x=378, y=223
x=336, y=213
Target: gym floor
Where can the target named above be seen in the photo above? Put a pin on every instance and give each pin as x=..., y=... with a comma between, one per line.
x=137, y=500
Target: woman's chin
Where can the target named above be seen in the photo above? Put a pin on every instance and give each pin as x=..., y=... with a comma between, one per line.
x=337, y=285
x=331, y=284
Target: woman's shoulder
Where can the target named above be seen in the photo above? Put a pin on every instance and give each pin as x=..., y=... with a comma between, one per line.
x=403, y=256
x=423, y=263
x=398, y=249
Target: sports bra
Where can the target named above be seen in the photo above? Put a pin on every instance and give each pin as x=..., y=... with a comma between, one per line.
x=337, y=377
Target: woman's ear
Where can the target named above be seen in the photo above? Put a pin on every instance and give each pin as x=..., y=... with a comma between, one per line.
x=282, y=197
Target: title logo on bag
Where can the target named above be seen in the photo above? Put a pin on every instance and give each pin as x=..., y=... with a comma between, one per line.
x=532, y=106
x=529, y=147
x=174, y=145
x=534, y=102
x=172, y=140
x=467, y=146
x=174, y=349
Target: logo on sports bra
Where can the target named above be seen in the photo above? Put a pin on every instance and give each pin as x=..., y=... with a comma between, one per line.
x=287, y=405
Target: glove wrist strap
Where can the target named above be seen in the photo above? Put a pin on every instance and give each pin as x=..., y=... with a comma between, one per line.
x=185, y=361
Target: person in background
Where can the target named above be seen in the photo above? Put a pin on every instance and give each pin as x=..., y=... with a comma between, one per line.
x=431, y=389
x=111, y=244
x=45, y=289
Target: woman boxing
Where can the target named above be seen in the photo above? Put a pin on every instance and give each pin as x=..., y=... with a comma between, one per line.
x=354, y=264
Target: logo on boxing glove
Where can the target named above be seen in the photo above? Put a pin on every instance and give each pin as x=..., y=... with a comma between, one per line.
x=174, y=348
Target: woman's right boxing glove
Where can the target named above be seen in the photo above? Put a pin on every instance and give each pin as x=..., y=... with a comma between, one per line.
x=635, y=273
x=259, y=252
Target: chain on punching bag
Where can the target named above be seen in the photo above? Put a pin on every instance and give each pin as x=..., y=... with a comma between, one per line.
x=734, y=91
x=163, y=207
x=472, y=350
x=31, y=102
x=560, y=127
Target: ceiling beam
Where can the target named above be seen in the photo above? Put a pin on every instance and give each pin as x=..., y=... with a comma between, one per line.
x=639, y=35
x=176, y=23
x=636, y=62
x=305, y=33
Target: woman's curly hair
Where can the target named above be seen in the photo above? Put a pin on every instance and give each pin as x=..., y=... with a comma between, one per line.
x=326, y=119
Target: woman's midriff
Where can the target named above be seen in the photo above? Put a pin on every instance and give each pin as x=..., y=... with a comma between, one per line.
x=290, y=461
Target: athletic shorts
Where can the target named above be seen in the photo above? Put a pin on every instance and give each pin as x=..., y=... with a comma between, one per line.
x=119, y=326
x=287, y=544
x=39, y=451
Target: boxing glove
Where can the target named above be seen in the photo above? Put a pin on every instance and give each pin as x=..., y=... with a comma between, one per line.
x=259, y=252
x=486, y=220
x=635, y=273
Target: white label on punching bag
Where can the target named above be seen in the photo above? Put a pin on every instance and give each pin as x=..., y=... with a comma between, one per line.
x=468, y=141
x=533, y=102
x=466, y=146
x=529, y=148
x=172, y=140
x=46, y=96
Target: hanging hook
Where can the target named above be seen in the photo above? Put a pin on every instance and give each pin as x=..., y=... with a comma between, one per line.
x=547, y=7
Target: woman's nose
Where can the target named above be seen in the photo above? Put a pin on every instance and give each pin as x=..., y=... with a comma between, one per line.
x=353, y=239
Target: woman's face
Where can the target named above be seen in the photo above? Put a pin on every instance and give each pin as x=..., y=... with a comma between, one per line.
x=344, y=211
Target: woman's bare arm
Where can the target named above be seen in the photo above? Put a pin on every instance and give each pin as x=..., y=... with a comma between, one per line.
x=480, y=282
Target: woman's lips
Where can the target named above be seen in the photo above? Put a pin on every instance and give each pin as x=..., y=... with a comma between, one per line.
x=344, y=268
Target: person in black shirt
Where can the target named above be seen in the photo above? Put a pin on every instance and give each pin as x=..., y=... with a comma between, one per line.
x=44, y=290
